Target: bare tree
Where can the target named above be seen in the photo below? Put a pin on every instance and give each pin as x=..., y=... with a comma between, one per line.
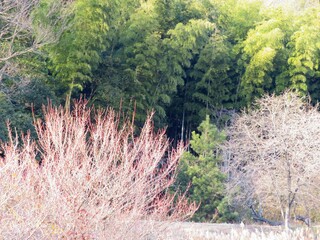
x=88, y=179
x=19, y=34
x=274, y=156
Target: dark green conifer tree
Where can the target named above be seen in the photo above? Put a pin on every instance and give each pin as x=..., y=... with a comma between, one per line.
x=201, y=166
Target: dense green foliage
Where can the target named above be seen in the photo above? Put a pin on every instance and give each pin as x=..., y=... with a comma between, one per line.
x=201, y=168
x=182, y=58
x=18, y=99
x=185, y=59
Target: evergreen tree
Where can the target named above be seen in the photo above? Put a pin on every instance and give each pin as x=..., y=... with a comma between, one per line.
x=21, y=100
x=147, y=61
x=135, y=71
x=236, y=17
x=201, y=167
x=263, y=50
x=215, y=85
x=78, y=50
x=185, y=43
x=304, y=66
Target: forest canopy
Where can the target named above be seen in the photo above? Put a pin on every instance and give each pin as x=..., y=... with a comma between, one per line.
x=185, y=59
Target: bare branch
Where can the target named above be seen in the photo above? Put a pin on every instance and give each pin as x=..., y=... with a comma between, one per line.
x=274, y=154
x=95, y=179
x=19, y=35
x=260, y=218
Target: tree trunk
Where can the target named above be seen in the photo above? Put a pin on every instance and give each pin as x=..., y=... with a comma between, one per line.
x=68, y=100
x=287, y=218
x=182, y=124
x=68, y=97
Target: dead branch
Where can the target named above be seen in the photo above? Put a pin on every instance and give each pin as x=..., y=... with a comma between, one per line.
x=19, y=35
x=258, y=217
x=303, y=219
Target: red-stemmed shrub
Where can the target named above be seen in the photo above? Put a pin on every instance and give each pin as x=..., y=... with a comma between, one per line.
x=88, y=177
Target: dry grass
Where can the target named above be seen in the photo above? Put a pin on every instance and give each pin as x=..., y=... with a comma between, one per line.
x=198, y=231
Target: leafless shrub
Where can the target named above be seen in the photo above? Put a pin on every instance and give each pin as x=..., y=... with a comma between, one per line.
x=93, y=179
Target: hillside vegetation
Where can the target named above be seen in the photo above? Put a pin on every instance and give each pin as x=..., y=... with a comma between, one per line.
x=234, y=85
